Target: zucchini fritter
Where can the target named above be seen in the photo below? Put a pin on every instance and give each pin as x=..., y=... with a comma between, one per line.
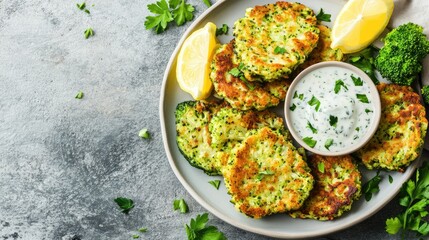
x=265, y=174
x=337, y=185
x=193, y=136
x=239, y=92
x=271, y=40
x=400, y=135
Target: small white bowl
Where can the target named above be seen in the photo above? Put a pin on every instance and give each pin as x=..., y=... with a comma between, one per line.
x=332, y=108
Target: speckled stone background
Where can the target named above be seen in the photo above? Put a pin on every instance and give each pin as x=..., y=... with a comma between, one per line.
x=64, y=160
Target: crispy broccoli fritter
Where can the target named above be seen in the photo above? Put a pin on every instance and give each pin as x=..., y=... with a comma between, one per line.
x=400, y=59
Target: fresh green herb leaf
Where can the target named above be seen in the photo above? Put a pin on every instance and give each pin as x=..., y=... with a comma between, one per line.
x=362, y=97
x=293, y=107
x=125, y=204
x=215, y=183
x=81, y=6
x=144, y=133
x=364, y=60
x=357, y=81
x=197, y=229
x=371, y=186
x=207, y=3
x=180, y=204
x=333, y=120
x=314, y=102
x=329, y=143
x=87, y=11
x=261, y=174
x=368, y=110
x=79, y=95
x=222, y=30
x=321, y=167
x=321, y=16
x=338, y=85
x=390, y=179
x=162, y=16
x=89, y=32
x=135, y=236
x=279, y=50
x=295, y=95
x=235, y=72
x=310, y=141
x=142, y=230
x=357, y=129
x=183, y=13
x=313, y=130
x=301, y=96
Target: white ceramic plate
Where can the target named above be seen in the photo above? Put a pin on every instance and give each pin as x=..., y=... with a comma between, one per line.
x=217, y=201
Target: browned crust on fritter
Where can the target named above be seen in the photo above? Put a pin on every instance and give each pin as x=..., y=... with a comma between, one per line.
x=241, y=94
x=289, y=191
x=401, y=131
x=334, y=189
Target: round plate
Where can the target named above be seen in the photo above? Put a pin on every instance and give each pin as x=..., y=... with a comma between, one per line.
x=217, y=201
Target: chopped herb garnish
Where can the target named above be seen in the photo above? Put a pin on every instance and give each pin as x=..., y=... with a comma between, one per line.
x=235, y=72
x=279, y=50
x=357, y=81
x=357, y=129
x=81, y=6
x=362, y=97
x=197, y=229
x=301, y=96
x=262, y=174
x=310, y=141
x=314, y=102
x=390, y=179
x=142, y=230
x=333, y=120
x=329, y=143
x=180, y=204
x=144, y=133
x=338, y=85
x=222, y=30
x=371, y=186
x=295, y=94
x=125, y=204
x=321, y=16
x=215, y=183
x=87, y=11
x=88, y=33
x=135, y=236
x=79, y=95
x=293, y=107
x=207, y=3
x=166, y=12
x=368, y=110
x=313, y=130
x=321, y=167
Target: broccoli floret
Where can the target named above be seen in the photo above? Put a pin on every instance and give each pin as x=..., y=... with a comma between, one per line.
x=425, y=94
x=400, y=59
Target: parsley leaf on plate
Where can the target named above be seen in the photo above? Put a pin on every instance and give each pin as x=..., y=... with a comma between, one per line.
x=222, y=30
x=215, y=183
x=197, y=229
x=322, y=16
x=371, y=186
x=125, y=204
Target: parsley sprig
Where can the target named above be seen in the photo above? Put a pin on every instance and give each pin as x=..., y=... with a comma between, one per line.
x=371, y=186
x=125, y=204
x=197, y=229
x=165, y=12
x=414, y=196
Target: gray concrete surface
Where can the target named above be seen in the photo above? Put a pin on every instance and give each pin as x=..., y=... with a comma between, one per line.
x=64, y=160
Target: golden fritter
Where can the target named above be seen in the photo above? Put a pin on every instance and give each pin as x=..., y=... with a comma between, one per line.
x=337, y=185
x=239, y=92
x=401, y=132
x=265, y=175
x=271, y=40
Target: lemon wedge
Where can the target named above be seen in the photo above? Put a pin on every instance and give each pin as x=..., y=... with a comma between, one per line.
x=193, y=62
x=359, y=23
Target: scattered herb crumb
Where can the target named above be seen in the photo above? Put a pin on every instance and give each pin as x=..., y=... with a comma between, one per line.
x=313, y=130
x=87, y=11
x=207, y=3
x=362, y=97
x=89, y=32
x=144, y=133
x=310, y=141
x=81, y=6
x=329, y=143
x=197, y=229
x=125, y=204
x=322, y=16
x=180, y=204
x=333, y=120
x=321, y=167
x=390, y=179
x=293, y=107
x=279, y=50
x=143, y=230
x=222, y=30
x=135, y=236
x=215, y=183
x=79, y=95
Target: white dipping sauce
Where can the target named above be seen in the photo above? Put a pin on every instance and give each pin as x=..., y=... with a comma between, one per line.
x=330, y=110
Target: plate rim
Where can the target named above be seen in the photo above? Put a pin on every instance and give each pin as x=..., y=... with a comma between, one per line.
x=374, y=208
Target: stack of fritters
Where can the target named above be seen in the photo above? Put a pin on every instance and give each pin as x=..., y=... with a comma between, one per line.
x=401, y=132
x=272, y=43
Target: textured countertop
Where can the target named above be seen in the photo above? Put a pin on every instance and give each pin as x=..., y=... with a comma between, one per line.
x=64, y=160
